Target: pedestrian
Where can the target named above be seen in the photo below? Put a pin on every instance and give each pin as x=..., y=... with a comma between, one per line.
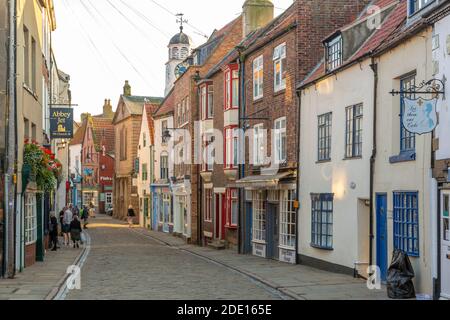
x=53, y=231
x=75, y=231
x=85, y=216
x=92, y=210
x=76, y=211
x=130, y=215
x=61, y=218
x=67, y=219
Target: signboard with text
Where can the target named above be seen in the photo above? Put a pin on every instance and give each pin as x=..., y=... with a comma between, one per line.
x=420, y=116
x=61, y=123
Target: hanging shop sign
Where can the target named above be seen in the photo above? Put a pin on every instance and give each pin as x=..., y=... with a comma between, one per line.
x=61, y=123
x=420, y=115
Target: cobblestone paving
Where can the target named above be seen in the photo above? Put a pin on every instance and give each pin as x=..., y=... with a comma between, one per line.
x=124, y=265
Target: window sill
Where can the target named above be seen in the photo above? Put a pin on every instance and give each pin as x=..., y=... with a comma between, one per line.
x=30, y=91
x=231, y=108
x=286, y=247
x=259, y=241
x=321, y=248
x=352, y=158
x=259, y=99
x=323, y=161
x=231, y=227
x=278, y=92
x=404, y=156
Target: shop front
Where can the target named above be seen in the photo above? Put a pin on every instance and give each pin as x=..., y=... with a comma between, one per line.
x=269, y=219
x=163, y=215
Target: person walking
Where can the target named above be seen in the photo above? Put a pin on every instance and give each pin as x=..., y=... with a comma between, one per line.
x=67, y=219
x=92, y=210
x=75, y=231
x=53, y=231
x=130, y=215
x=85, y=216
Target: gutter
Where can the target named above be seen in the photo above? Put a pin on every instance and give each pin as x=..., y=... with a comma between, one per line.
x=297, y=260
x=241, y=210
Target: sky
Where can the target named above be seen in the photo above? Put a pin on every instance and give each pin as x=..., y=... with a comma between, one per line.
x=102, y=43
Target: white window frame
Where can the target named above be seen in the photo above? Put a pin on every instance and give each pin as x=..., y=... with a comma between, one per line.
x=259, y=217
x=258, y=78
x=288, y=217
x=30, y=218
x=279, y=67
x=280, y=140
x=208, y=204
x=258, y=144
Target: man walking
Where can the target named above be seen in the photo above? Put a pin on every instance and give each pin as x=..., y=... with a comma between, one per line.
x=67, y=219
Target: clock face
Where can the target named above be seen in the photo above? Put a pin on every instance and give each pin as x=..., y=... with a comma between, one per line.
x=180, y=69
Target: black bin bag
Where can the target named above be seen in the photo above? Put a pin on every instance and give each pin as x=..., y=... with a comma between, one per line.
x=400, y=275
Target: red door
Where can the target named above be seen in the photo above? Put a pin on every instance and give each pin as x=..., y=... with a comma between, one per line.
x=224, y=216
x=220, y=216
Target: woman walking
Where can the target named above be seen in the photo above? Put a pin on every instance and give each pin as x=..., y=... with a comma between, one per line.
x=67, y=219
x=130, y=215
x=53, y=231
x=75, y=231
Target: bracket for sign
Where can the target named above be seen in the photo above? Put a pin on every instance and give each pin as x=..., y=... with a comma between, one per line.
x=435, y=87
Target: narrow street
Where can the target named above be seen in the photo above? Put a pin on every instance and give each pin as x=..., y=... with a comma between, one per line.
x=123, y=264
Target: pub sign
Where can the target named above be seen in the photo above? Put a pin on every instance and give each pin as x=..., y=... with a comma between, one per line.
x=61, y=123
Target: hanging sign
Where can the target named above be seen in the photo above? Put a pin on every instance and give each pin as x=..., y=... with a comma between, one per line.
x=61, y=123
x=420, y=115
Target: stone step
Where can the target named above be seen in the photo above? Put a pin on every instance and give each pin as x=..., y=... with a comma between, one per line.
x=217, y=245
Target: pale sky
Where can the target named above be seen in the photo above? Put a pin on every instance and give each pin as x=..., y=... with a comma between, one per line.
x=102, y=43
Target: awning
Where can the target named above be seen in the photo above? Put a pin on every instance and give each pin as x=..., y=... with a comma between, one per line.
x=264, y=181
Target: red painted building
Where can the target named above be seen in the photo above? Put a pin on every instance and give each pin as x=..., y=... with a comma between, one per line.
x=97, y=158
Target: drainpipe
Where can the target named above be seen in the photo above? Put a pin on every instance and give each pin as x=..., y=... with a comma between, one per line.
x=299, y=97
x=374, y=67
x=242, y=213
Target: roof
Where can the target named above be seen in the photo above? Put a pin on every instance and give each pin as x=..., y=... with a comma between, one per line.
x=135, y=103
x=149, y=110
x=167, y=106
x=180, y=38
x=388, y=27
x=79, y=135
x=103, y=133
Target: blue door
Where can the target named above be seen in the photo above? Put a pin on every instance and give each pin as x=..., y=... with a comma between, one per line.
x=156, y=209
x=382, y=257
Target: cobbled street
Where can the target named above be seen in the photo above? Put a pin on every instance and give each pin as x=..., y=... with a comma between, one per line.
x=123, y=264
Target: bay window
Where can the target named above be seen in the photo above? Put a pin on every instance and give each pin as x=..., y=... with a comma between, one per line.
x=279, y=67
x=280, y=140
x=208, y=153
x=231, y=87
x=231, y=147
x=258, y=77
x=232, y=207
x=207, y=101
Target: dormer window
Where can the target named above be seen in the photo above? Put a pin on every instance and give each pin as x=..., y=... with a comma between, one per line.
x=417, y=5
x=334, y=53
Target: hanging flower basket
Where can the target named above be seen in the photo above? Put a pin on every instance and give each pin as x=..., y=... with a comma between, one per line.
x=41, y=166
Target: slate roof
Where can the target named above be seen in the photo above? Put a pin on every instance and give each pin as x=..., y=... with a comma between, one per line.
x=135, y=103
x=390, y=26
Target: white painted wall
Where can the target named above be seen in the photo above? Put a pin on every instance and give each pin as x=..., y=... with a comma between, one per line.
x=161, y=148
x=334, y=94
x=75, y=153
x=144, y=159
x=412, y=55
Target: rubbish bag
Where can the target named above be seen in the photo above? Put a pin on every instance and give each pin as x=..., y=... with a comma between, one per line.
x=400, y=275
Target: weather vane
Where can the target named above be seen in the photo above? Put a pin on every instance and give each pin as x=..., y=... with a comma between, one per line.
x=180, y=20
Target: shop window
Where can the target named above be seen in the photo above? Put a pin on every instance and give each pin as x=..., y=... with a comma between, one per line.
x=259, y=216
x=406, y=222
x=287, y=219
x=30, y=218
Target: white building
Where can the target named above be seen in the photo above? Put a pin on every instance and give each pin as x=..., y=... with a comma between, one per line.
x=440, y=193
x=162, y=212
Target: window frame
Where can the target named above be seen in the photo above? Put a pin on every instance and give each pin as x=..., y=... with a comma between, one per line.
x=144, y=172
x=258, y=77
x=231, y=145
x=231, y=82
x=354, y=129
x=402, y=223
x=232, y=196
x=280, y=135
x=279, y=58
x=333, y=51
x=288, y=219
x=208, y=205
x=259, y=144
x=324, y=136
x=30, y=218
x=407, y=139
x=259, y=208
x=317, y=221
x=164, y=170
x=416, y=6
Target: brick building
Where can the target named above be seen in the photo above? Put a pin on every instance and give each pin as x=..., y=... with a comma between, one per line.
x=127, y=125
x=97, y=159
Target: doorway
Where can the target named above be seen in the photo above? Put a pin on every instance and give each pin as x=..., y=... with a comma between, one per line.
x=219, y=216
x=273, y=235
x=381, y=240
x=445, y=244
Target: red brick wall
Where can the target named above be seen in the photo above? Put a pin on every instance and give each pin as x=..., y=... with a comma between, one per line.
x=30, y=255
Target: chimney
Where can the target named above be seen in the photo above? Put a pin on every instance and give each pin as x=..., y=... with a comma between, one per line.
x=84, y=116
x=127, y=89
x=107, y=109
x=257, y=14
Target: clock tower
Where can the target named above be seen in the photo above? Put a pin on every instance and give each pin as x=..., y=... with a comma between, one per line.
x=179, y=49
